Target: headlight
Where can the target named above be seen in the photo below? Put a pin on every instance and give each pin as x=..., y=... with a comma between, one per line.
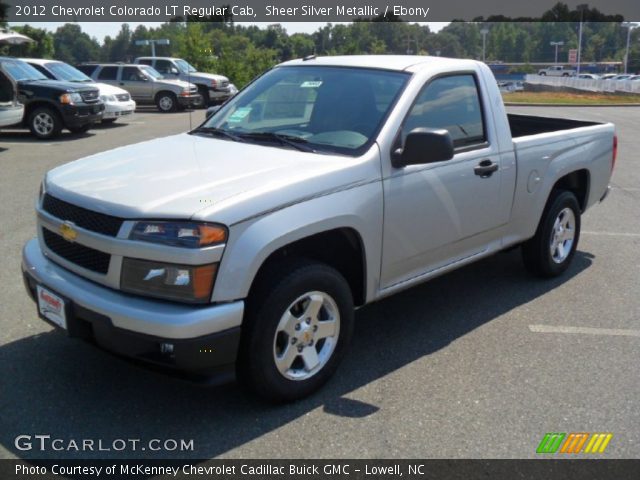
x=169, y=281
x=179, y=234
x=214, y=83
x=70, y=98
x=41, y=192
x=108, y=98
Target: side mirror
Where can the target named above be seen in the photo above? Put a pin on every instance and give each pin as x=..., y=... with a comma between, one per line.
x=173, y=71
x=424, y=145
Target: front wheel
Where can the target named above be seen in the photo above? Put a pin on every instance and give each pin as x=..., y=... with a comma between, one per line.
x=550, y=252
x=296, y=331
x=45, y=123
x=167, y=102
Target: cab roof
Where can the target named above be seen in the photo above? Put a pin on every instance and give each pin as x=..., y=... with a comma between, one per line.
x=384, y=62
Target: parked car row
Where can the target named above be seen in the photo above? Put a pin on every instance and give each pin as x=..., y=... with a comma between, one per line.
x=562, y=71
x=48, y=96
x=610, y=76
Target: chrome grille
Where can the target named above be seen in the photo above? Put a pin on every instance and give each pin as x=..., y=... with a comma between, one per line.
x=90, y=96
x=83, y=218
x=83, y=256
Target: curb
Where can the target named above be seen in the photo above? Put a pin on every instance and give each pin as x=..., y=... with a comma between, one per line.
x=515, y=104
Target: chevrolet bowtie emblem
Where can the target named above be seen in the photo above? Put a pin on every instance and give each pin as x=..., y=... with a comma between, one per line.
x=68, y=232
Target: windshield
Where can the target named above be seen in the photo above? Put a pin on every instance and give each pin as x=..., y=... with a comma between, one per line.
x=63, y=71
x=328, y=108
x=185, y=66
x=21, y=71
x=152, y=72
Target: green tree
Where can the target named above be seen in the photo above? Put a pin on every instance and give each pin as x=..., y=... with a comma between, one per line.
x=41, y=47
x=72, y=45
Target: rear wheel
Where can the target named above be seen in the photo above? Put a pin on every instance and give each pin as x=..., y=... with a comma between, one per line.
x=550, y=252
x=296, y=331
x=167, y=102
x=45, y=123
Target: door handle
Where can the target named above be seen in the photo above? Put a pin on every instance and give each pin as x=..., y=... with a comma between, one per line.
x=485, y=168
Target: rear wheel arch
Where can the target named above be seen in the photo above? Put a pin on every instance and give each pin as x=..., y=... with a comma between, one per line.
x=577, y=182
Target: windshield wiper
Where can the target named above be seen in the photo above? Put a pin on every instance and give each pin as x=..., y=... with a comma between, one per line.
x=296, y=142
x=219, y=132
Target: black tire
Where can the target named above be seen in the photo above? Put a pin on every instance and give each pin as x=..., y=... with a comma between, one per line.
x=167, y=102
x=108, y=121
x=267, y=303
x=81, y=129
x=204, y=93
x=543, y=74
x=45, y=123
x=537, y=252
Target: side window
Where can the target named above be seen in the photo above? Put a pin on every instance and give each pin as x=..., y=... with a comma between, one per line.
x=108, y=73
x=145, y=61
x=163, y=66
x=452, y=103
x=132, y=74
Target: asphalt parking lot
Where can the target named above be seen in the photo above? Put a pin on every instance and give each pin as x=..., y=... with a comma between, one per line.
x=480, y=363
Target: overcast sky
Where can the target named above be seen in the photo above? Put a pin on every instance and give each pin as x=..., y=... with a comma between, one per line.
x=102, y=29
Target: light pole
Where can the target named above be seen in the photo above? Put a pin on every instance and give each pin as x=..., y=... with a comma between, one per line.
x=581, y=8
x=153, y=43
x=556, y=44
x=630, y=26
x=484, y=33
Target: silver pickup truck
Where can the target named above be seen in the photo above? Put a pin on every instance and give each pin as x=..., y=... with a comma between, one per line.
x=242, y=247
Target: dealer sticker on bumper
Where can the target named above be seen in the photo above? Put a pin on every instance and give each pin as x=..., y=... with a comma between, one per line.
x=51, y=306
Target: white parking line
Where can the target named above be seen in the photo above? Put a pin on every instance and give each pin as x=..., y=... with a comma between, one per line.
x=584, y=330
x=611, y=234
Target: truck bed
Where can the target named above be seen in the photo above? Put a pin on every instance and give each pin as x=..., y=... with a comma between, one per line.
x=524, y=125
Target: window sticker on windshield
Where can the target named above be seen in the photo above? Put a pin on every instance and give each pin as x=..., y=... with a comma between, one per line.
x=311, y=84
x=239, y=114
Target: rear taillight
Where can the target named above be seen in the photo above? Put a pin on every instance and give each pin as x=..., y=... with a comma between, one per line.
x=615, y=152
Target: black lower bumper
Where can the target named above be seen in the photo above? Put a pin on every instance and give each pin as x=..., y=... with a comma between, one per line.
x=190, y=100
x=212, y=356
x=77, y=116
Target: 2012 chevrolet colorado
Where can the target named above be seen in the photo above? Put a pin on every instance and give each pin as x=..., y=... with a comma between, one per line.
x=244, y=245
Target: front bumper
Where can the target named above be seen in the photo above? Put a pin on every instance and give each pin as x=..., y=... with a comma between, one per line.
x=201, y=340
x=118, y=109
x=79, y=115
x=190, y=100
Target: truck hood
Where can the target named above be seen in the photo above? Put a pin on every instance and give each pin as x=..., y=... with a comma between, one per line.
x=191, y=176
x=205, y=76
x=172, y=83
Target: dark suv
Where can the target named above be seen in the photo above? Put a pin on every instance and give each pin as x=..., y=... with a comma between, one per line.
x=52, y=105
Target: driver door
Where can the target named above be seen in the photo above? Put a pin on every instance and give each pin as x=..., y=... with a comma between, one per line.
x=438, y=213
x=136, y=83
